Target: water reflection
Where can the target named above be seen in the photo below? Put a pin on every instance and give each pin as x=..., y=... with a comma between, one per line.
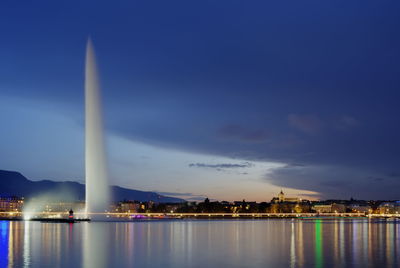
x=389, y=244
x=10, y=246
x=342, y=243
x=26, y=257
x=318, y=244
x=4, y=231
x=292, y=248
x=95, y=244
x=241, y=243
x=365, y=232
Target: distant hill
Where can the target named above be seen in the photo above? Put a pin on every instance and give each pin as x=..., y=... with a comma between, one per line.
x=14, y=183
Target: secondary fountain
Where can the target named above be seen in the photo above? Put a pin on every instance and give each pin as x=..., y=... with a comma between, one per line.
x=97, y=187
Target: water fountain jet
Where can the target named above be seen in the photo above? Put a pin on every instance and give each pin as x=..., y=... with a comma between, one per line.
x=97, y=188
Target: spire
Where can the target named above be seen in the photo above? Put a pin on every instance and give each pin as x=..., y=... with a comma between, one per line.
x=281, y=196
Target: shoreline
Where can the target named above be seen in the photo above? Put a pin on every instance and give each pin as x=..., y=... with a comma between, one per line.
x=148, y=218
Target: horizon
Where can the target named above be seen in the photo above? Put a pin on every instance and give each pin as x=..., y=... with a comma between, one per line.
x=198, y=199
x=236, y=107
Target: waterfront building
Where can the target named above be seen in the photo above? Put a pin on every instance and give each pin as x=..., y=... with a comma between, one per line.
x=171, y=208
x=282, y=198
x=389, y=208
x=289, y=207
x=284, y=204
x=360, y=208
x=11, y=204
x=329, y=208
x=129, y=207
x=64, y=206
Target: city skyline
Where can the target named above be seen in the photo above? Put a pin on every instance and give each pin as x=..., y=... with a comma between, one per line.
x=235, y=109
x=181, y=133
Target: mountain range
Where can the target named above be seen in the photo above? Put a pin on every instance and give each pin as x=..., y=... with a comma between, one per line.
x=13, y=183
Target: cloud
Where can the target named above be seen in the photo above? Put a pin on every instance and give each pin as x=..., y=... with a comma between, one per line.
x=197, y=199
x=222, y=166
x=336, y=182
x=309, y=124
x=175, y=194
x=346, y=122
x=283, y=102
x=237, y=132
x=310, y=196
x=294, y=165
x=186, y=196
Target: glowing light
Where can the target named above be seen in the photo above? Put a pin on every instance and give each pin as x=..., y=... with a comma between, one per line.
x=319, y=261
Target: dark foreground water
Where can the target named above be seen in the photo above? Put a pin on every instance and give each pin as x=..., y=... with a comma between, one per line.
x=184, y=243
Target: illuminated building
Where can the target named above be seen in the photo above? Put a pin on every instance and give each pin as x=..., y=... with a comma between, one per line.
x=128, y=207
x=329, y=208
x=11, y=203
x=63, y=206
x=282, y=198
x=389, y=207
x=360, y=208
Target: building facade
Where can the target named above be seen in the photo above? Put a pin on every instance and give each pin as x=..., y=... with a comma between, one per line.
x=329, y=208
x=11, y=204
x=282, y=198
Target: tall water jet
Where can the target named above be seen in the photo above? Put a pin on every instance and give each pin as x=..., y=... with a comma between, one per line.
x=97, y=187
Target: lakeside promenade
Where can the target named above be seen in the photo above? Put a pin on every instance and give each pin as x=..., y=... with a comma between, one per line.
x=20, y=215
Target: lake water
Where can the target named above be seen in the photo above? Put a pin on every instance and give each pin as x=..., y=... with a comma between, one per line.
x=202, y=243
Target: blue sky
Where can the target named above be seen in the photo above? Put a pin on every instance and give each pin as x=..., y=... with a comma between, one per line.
x=226, y=99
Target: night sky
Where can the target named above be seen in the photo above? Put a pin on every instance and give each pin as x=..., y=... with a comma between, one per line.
x=225, y=99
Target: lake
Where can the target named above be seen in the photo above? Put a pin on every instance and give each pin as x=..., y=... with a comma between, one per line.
x=202, y=243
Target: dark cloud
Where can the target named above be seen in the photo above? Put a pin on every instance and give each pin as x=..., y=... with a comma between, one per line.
x=336, y=182
x=198, y=199
x=175, y=194
x=393, y=174
x=309, y=124
x=292, y=165
x=222, y=166
x=240, y=133
x=312, y=84
x=186, y=196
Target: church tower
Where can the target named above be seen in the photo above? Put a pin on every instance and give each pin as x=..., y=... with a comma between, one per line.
x=281, y=197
